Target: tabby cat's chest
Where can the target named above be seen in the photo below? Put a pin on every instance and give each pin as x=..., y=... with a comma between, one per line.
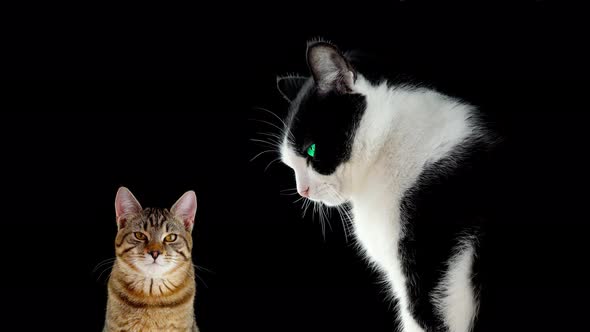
x=151, y=320
x=132, y=310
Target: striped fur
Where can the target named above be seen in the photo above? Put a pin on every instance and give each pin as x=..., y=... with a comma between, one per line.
x=144, y=295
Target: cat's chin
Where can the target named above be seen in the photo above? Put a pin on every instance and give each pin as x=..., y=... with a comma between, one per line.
x=155, y=269
x=328, y=202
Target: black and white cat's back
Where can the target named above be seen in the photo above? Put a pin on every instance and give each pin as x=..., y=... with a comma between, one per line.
x=445, y=217
x=418, y=137
x=405, y=158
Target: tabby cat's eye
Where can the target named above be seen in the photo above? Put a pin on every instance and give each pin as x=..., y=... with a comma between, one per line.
x=170, y=238
x=139, y=236
x=311, y=150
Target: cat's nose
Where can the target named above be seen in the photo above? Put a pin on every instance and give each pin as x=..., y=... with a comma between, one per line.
x=154, y=254
x=304, y=193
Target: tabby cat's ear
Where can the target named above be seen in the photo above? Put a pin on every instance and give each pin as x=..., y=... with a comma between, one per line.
x=125, y=204
x=185, y=209
x=330, y=69
x=290, y=85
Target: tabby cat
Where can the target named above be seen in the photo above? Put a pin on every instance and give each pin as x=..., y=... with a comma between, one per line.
x=152, y=285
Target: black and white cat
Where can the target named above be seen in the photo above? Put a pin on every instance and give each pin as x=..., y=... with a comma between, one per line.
x=412, y=163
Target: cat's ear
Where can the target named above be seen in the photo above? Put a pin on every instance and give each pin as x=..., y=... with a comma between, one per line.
x=185, y=209
x=290, y=85
x=330, y=69
x=125, y=204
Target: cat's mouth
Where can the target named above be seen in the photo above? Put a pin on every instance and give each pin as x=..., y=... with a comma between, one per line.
x=154, y=268
x=327, y=195
x=155, y=263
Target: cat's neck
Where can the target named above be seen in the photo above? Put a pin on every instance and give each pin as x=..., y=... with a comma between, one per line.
x=402, y=131
x=141, y=303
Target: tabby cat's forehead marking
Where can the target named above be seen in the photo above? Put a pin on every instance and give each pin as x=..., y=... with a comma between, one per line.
x=155, y=218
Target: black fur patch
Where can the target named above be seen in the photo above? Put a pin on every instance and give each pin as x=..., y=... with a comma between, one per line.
x=328, y=120
x=449, y=204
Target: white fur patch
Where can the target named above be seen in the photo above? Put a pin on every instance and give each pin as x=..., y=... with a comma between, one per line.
x=454, y=296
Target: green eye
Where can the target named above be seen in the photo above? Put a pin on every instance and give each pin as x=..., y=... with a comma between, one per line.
x=170, y=238
x=139, y=236
x=311, y=150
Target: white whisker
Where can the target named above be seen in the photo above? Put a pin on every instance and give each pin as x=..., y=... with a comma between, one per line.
x=273, y=161
x=273, y=114
x=270, y=124
x=278, y=137
x=261, y=153
x=273, y=144
x=297, y=200
x=106, y=261
x=345, y=216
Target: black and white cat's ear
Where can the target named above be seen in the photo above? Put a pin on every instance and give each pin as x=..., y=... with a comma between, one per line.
x=290, y=85
x=185, y=209
x=330, y=69
x=125, y=204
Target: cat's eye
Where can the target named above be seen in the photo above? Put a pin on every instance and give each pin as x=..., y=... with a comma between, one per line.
x=140, y=236
x=170, y=238
x=311, y=150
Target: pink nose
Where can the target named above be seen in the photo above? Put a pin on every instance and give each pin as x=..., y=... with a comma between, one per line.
x=305, y=193
x=154, y=254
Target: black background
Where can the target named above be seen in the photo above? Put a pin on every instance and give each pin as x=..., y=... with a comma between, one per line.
x=68, y=146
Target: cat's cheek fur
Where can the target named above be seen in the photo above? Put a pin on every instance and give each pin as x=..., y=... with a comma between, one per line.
x=327, y=188
x=320, y=188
